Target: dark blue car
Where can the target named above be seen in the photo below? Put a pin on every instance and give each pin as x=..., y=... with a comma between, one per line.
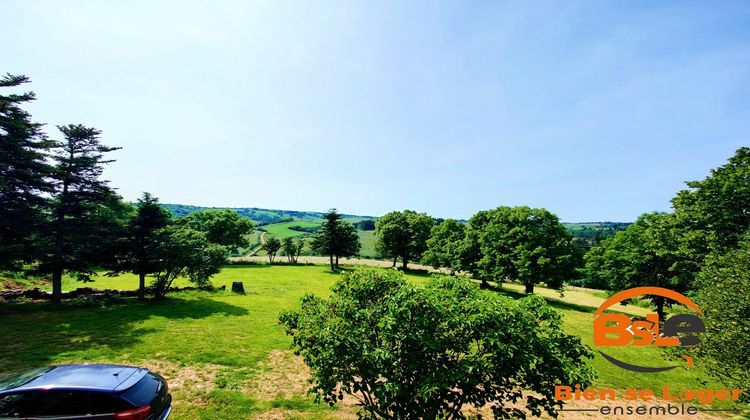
x=85, y=391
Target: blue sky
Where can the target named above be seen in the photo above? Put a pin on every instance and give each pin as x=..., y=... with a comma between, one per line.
x=595, y=110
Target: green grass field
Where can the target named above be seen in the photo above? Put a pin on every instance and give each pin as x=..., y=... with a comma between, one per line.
x=281, y=230
x=226, y=356
x=367, y=240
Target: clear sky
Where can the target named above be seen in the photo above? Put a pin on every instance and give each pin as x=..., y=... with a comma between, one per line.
x=595, y=110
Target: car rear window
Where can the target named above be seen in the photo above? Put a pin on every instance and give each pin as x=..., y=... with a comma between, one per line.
x=20, y=379
x=144, y=391
x=61, y=403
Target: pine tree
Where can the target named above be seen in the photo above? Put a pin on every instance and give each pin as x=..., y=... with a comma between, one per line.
x=144, y=234
x=23, y=176
x=336, y=238
x=86, y=212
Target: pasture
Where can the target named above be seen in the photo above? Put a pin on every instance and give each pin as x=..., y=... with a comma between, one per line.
x=226, y=356
x=282, y=230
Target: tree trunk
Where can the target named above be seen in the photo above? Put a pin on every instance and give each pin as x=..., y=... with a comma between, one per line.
x=529, y=288
x=395, y=259
x=141, y=286
x=330, y=259
x=404, y=262
x=57, y=286
x=337, y=261
x=660, y=310
x=484, y=283
x=57, y=271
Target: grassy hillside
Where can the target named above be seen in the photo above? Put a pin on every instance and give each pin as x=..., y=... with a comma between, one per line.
x=287, y=229
x=260, y=216
x=226, y=356
x=590, y=234
x=367, y=240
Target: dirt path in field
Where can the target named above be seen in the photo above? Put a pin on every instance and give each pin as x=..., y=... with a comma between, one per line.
x=262, y=240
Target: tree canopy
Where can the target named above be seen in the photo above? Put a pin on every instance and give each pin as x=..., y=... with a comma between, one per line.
x=445, y=247
x=139, y=250
x=649, y=252
x=87, y=215
x=292, y=248
x=426, y=352
x=222, y=227
x=403, y=235
x=724, y=298
x=716, y=210
x=186, y=252
x=336, y=238
x=272, y=246
x=24, y=176
x=527, y=245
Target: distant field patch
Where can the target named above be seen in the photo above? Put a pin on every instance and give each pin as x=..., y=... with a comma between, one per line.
x=367, y=240
x=285, y=229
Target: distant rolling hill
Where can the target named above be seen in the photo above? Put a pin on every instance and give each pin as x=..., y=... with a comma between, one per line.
x=283, y=223
x=260, y=216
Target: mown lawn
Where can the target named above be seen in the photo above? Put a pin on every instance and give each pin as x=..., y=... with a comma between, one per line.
x=225, y=355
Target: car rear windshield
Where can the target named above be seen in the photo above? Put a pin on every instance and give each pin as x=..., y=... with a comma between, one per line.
x=144, y=391
x=20, y=379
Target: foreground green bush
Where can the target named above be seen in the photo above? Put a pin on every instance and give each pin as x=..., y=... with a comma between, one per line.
x=407, y=351
x=724, y=296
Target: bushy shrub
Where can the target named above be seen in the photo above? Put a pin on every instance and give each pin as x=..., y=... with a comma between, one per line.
x=429, y=351
x=724, y=296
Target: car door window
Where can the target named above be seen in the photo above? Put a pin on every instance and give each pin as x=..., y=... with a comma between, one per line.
x=15, y=405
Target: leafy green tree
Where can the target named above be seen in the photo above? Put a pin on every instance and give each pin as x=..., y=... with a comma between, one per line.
x=271, y=246
x=392, y=235
x=23, y=177
x=367, y=224
x=139, y=253
x=292, y=248
x=185, y=252
x=445, y=246
x=649, y=252
x=86, y=213
x=724, y=298
x=336, y=238
x=714, y=213
x=404, y=235
x=406, y=351
x=471, y=250
x=526, y=245
x=222, y=227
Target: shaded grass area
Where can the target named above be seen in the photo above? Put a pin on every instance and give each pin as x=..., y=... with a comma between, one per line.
x=230, y=337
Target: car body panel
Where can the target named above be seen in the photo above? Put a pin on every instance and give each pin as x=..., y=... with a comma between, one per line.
x=83, y=376
x=99, y=390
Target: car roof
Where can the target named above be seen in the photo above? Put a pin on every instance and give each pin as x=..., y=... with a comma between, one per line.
x=91, y=377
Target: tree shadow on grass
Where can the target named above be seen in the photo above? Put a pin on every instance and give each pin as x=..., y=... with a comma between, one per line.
x=37, y=334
